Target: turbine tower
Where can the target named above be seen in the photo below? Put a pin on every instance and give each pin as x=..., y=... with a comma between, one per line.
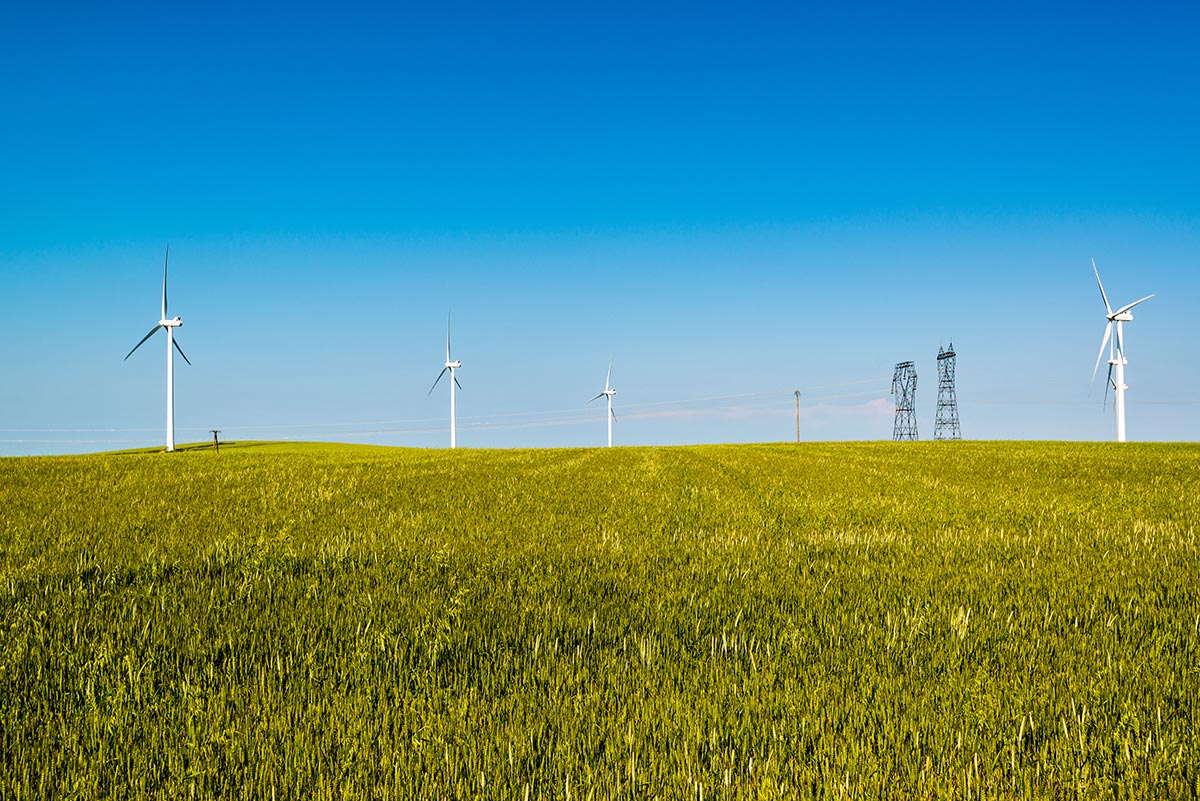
x=172, y=346
x=608, y=393
x=451, y=366
x=1116, y=351
x=946, y=424
x=904, y=387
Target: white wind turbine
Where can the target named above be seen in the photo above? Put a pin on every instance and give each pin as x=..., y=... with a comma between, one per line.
x=608, y=393
x=451, y=366
x=172, y=346
x=1116, y=351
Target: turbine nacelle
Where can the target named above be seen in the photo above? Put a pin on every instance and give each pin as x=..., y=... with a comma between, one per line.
x=167, y=323
x=449, y=366
x=1115, y=342
x=607, y=393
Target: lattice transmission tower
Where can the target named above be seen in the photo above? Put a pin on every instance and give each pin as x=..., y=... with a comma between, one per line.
x=904, y=387
x=946, y=426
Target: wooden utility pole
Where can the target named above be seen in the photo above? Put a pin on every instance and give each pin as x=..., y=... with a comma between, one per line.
x=216, y=443
x=797, y=415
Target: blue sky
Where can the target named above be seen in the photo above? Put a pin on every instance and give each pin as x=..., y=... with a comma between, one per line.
x=733, y=200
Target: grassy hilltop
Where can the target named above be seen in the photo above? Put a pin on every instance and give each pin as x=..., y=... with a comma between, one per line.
x=774, y=621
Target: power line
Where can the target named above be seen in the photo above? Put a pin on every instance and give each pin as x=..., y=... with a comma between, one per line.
x=439, y=420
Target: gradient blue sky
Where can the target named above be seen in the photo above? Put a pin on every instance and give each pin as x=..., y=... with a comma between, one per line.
x=733, y=199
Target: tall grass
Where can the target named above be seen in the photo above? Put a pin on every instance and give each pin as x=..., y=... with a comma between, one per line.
x=844, y=620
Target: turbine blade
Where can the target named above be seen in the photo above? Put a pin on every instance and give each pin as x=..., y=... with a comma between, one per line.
x=614, y=414
x=609, y=376
x=138, y=345
x=1107, y=308
x=447, y=336
x=457, y=384
x=436, y=380
x=1120, y=340
x=1131, y=305
x=181, y=353
x=598, y=397
x=166, y=256
x=1100, y=355
x=1107, y=384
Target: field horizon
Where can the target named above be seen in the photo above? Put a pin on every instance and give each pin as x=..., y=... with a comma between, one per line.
x=308, y=446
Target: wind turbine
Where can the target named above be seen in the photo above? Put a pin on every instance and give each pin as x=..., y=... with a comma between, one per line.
x=608, y=393
x=1116, y=351
x=172, y=346
x=451, y=366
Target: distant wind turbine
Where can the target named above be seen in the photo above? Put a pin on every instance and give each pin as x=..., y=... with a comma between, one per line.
x=1116, y=351
x=608, y=393
x=451, y=366
x=172, y=346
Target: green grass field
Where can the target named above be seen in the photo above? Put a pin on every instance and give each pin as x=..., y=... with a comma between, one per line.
x=779, y=621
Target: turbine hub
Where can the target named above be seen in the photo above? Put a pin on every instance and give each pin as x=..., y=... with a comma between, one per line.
x=175, y=322
x=454, y=365
x=1123, y=317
